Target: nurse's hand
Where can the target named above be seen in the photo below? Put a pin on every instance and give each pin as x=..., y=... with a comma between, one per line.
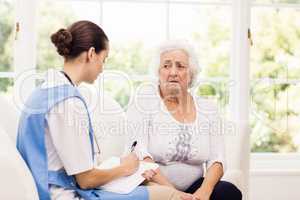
x=130, y=164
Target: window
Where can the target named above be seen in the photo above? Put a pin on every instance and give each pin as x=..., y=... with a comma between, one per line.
x=210, y=34
x=134, y=30
x=275, y=76
x=133, y=33
x=6, y=48
x=53, y=15
x=133, y=40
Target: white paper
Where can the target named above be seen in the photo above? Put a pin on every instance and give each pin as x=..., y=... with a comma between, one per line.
x=126, y=184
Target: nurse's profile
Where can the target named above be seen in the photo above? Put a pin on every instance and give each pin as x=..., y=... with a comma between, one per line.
x=56, y=147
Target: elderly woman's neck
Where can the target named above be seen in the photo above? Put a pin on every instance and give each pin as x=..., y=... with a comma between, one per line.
x=181, y=99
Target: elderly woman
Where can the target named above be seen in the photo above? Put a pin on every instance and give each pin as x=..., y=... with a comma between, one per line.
x=179, y=130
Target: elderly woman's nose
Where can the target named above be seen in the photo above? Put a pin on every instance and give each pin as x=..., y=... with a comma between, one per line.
x=173, y=70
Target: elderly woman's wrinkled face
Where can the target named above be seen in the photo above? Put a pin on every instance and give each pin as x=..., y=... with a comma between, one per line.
x=174, y=72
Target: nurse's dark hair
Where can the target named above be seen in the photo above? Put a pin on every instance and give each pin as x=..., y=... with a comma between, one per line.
x=78, y=38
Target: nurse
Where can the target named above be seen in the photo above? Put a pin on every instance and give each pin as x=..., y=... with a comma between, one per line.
x=55, y=136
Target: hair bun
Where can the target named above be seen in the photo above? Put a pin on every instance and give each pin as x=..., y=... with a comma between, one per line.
x=62, y=39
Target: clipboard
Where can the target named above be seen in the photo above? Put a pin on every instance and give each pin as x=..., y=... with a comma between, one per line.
x=125, y=185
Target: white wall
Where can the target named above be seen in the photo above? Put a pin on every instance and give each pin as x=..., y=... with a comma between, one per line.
x=275, y=177
x=275, y=185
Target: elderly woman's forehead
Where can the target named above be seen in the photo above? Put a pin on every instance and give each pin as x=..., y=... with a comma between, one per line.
x=174, y=53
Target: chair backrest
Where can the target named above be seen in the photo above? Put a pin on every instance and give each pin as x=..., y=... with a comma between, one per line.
x=16, y=181
x=108, y=119
x=9, y=118
x=237, y=156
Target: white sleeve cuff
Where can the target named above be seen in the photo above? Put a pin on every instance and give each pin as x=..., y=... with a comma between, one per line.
x=142, y=154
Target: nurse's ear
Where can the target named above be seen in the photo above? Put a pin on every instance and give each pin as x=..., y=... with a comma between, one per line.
x=91, y=53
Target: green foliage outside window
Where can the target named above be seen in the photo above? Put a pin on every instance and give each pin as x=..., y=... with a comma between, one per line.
x=6, y=41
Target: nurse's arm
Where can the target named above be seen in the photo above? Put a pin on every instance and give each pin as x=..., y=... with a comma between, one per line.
x=96, y=177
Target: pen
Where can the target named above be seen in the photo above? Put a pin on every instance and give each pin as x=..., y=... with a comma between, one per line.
x=133, y=146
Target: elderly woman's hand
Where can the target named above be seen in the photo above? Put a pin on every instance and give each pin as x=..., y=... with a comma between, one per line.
x=195, y=196
x=149, y=174
x=186, y=196
x=201, y=195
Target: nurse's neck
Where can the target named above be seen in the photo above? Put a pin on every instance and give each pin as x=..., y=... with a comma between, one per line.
x=74, y=70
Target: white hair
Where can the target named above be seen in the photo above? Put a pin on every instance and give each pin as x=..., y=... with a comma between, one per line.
x=184, y=45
